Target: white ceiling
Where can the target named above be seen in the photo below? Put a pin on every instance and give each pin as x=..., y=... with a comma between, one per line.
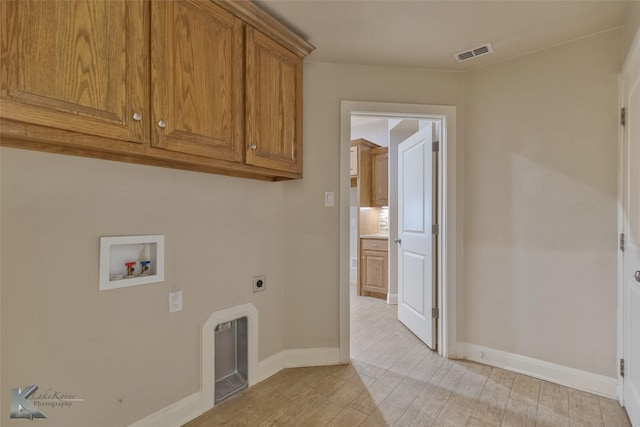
x=427, y=34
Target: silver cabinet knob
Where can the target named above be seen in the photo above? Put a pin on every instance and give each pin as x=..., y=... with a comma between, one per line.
x=637, y=276
x=253, y=146
x=397, y=241
x=162, y=124
x=137, y=117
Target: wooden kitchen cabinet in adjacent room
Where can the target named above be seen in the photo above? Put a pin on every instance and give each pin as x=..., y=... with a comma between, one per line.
x=380, y=177
x=374, y=265
x=362, y=179
x=353, y=162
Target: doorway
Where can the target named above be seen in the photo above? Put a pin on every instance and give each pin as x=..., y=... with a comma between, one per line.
x=448, y=236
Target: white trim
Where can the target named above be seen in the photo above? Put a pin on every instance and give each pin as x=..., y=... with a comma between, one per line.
x=457, y=350
x=392, y=299
x=631, y=63
x=270, y=366
x=621, y=229
x=451, y=222
x=297, y=359
x=207, y=362
x=185, y=410
x=174, y=415
x=559, y=374
x=311, y=357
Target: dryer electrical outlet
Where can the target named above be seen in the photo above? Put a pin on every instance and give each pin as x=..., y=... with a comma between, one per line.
x=259, y=283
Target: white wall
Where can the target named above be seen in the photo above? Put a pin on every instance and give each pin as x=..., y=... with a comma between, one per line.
x=631, y=27
x=312, y=232
x=60, y=332
x=376, y=132
x=541, y=205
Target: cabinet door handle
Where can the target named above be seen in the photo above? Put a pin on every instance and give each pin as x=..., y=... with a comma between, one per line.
x=137, y=116
x=253, y=146
x=162, y=124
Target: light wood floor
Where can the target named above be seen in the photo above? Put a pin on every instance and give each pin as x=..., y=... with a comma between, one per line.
x=395, y=380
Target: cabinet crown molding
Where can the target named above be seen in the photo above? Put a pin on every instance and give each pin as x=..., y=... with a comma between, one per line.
x=263, y=21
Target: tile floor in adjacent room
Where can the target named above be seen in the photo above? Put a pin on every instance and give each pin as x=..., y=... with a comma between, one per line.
x=395, y=380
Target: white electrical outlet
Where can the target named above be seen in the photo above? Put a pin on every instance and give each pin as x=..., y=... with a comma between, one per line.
x=259, y=283
x=175, y=301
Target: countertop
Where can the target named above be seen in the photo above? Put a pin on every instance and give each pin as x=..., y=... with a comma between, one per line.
x=375, y=236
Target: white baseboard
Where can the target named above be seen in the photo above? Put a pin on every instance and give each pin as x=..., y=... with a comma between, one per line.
x=183, y=411
x=174, y=415
x=392, y=299
x=270, y=366
x=559, y=374
x=297, y=359
x=311, y=357
x=456, y=351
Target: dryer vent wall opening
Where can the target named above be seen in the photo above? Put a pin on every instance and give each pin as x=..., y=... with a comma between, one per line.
x=231, y=358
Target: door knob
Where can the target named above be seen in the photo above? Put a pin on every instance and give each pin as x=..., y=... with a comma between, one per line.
x=637, y=276
x=398, y=241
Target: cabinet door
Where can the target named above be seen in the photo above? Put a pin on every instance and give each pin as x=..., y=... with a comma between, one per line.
x=374, y=271
x=380, y=177
x=353, y=161
x=76, y=65
x=196, y=69
x=274, y=104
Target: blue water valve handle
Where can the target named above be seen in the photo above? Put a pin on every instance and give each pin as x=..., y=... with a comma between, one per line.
x=145, y=267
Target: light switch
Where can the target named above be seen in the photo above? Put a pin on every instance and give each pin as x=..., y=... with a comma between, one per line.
x=175, y=301
x=329, y=199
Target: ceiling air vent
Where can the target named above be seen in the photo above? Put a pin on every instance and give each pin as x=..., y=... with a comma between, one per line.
x=475, y=52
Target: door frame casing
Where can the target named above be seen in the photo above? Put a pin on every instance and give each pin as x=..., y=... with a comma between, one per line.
x=632, y=61
x=450, y=230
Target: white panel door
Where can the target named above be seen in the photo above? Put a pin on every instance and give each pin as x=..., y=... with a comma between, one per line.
x=631, y=257
x=416, y=290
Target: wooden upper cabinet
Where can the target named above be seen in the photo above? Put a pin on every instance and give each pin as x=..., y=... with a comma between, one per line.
x=78, y=66
x=189, y=84
x=364, y=168
x=273, y=104
x=197, y=81
x=380, y=176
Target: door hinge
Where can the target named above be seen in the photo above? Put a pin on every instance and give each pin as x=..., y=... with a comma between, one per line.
x=622, y=367
x=435, y=312
x=623, y=116
x=622, y=242
x=435, y=145
x=435, y=229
